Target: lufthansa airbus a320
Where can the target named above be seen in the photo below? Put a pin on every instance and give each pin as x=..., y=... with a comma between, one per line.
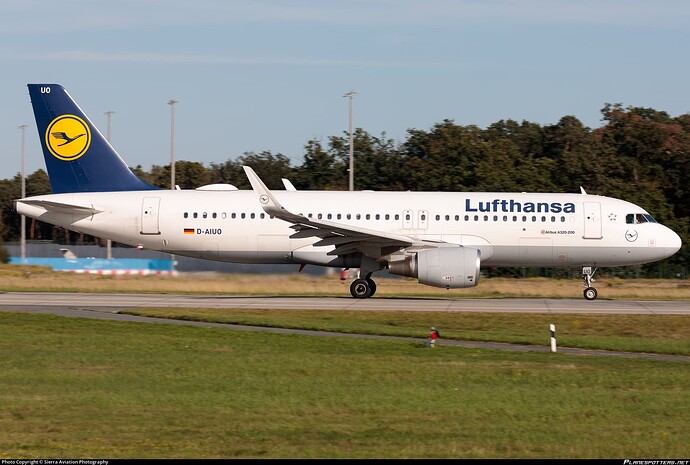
x=440, y=238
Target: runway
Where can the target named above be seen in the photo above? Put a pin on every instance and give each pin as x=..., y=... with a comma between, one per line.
x=116, y=302
x=108, y=306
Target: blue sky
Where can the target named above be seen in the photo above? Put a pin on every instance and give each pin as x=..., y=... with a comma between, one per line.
x=256, y=75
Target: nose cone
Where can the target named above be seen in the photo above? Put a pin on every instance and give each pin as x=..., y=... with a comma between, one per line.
x=670, y=242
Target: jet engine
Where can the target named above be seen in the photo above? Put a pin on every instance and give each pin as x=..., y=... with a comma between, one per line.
x=452, y=268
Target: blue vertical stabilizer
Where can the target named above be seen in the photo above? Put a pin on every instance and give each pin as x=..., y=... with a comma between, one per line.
x=77, y=156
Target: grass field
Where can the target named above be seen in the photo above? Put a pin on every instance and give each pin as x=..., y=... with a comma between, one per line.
x=81, y=388
x=78, y=388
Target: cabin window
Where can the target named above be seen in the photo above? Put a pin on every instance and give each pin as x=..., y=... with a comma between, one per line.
x=397, y=217
x=262, y=216
x=329, y=216
x=253, y=215
x=562, y=219
x=233, y=216
x=368, y=216
x=349, y=216
x=543, y=219
x=505, y=217
x=243, y=215
x=319, y=216
x=457, y=217
x=215, y=215
x=339, y=216
x=515, y=218
x=185, y=215
x=195, y=215
x=486, y=217
x=358, y=216
x=223, y=215
x=387, y=217
x=467, y=217
x=204, y=214
x=495, y=217
x=476, y=217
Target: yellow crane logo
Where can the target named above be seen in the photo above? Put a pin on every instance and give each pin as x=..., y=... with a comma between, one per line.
x=68, y=137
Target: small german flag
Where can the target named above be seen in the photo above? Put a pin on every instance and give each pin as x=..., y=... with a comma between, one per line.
x=189, y=230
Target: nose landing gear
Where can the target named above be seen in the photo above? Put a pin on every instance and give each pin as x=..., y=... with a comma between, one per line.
x=590, y=293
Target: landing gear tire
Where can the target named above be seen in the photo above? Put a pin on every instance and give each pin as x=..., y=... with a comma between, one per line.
x=590, y=293
x=362, y=288
x=372, y=285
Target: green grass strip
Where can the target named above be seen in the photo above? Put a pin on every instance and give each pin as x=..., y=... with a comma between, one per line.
x=82, y=388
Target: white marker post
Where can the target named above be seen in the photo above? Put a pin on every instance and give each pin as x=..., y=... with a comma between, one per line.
x=552, y=330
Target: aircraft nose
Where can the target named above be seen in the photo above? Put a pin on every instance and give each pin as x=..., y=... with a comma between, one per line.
x=671, y=242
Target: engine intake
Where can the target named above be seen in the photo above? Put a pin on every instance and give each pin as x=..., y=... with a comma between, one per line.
x=452, y=268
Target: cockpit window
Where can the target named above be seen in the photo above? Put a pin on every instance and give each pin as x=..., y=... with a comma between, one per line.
x=638, y=218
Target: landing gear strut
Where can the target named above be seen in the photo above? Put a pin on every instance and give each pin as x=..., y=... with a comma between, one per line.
x=590, y=293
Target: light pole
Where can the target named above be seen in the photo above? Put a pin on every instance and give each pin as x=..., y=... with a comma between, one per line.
x=108, y=242
x=172, y=143
x=108, y=114
x=351, y=94
x=172, y=103
x=22, y=241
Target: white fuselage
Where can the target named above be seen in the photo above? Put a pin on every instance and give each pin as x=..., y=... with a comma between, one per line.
x=510, y=229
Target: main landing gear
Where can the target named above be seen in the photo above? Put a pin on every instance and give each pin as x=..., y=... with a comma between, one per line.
x=590, y=293
x=363, y=288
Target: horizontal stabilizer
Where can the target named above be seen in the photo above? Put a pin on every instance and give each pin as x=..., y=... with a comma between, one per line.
x=60, y=207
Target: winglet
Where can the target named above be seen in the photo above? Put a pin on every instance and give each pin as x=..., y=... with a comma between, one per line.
x=266, y=199
x=582, y=190
x=288, y=185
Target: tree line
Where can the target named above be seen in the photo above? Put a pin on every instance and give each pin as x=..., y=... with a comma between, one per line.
x=638, y=154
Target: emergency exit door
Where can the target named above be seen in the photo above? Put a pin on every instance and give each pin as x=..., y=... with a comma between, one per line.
x=592, y=214
x=149, y=215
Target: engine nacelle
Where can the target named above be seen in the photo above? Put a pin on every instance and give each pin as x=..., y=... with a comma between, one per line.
x=449, y=267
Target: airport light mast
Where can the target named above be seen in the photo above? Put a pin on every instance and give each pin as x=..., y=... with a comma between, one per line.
x=22, y=242
x=172, y=103
x=351, y=94
x=108, y=243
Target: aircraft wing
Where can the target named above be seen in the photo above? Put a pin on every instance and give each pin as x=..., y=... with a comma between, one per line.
x=60, y=207
x=345, y=238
